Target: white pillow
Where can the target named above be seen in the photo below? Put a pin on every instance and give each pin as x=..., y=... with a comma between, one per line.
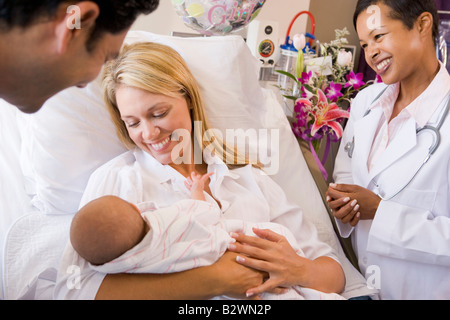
x=62, y=144
x=226, y=72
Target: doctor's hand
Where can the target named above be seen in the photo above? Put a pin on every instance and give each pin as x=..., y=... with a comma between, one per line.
x=352, y=203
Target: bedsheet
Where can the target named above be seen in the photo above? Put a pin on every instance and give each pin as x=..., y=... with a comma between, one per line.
x=31, y=262
x=14, y=201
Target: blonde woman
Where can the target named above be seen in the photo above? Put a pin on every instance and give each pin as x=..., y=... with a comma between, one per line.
x=157, y=108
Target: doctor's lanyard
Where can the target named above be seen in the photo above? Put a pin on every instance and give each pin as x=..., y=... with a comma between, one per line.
x=350, y=146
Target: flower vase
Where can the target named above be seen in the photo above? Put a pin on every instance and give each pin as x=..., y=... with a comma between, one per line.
x=311, y=151
x=321, y=147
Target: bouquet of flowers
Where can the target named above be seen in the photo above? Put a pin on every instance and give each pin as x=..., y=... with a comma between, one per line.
x=322, y=86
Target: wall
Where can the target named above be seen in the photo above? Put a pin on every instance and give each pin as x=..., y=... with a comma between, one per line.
x=284, y=11
x=164, y=20
x=335, y=14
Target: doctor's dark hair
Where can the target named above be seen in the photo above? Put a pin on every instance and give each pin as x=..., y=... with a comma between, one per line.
x=406, y=11
x=115, y=15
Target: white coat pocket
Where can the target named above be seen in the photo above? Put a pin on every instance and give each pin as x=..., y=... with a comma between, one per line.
x=419, y=199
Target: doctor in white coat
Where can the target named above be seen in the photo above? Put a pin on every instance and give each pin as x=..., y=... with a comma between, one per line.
x=392, y=173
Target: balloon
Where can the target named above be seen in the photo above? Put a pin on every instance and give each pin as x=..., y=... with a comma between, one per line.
x=217, y=17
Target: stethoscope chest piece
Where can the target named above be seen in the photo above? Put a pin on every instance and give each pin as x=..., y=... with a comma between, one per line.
x=349, y=147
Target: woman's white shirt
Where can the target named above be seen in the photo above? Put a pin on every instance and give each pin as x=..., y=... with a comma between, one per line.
x=244, y=193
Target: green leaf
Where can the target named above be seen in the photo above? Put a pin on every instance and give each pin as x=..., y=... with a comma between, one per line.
x=300, y=65
x=291, y=97
x=309, y=88
x=287, y=74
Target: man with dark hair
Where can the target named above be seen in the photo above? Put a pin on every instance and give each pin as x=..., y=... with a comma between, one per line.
x=50, y=45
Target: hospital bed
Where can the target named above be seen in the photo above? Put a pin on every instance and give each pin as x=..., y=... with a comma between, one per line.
x=46, y=160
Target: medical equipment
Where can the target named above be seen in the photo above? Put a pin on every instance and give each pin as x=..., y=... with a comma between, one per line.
x=262, y=39
x=289, y=53
x=435, y=131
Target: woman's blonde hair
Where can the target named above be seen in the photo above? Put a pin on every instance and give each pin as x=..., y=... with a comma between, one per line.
x=159, y=69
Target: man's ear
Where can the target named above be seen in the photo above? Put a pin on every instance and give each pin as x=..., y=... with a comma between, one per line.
x=74, y=21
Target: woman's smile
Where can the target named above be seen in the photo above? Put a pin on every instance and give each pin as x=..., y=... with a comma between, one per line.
x=383, y=66
x=160, y=146
x=152, y=119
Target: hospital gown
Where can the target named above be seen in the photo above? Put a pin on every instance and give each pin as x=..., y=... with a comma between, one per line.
x=244, y=193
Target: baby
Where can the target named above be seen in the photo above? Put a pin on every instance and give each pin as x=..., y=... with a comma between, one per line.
x=115, y=237
x=107, y=227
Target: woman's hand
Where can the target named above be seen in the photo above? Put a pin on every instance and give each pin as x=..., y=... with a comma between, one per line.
x=352, y=203
x=272, y=254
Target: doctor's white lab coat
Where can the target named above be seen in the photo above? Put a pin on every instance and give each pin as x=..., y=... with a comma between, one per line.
x=405, y=250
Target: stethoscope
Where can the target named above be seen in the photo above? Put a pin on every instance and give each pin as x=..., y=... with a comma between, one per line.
x=350, y=146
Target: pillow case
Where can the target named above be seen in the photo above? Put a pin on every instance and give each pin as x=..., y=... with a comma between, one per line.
x=63, y=144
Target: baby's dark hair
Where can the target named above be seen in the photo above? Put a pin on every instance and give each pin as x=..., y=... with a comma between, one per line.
x=106, y=228
x=405, y=10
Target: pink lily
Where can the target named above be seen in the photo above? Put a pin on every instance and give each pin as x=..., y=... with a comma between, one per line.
x=326, y=114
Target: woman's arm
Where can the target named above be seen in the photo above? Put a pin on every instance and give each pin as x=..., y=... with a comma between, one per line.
x=273, y=254
x=225, y=277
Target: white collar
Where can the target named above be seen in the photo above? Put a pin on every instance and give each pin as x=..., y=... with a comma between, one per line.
x=425, y=105
x=164, y=173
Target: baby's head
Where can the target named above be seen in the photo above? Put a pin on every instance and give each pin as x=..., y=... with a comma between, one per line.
x=106, y=228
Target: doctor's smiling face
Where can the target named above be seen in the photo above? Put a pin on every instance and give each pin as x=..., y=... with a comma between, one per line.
x=151, y=119
x=392, y=49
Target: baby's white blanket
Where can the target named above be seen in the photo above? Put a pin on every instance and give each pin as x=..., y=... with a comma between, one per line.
x=191, y=234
